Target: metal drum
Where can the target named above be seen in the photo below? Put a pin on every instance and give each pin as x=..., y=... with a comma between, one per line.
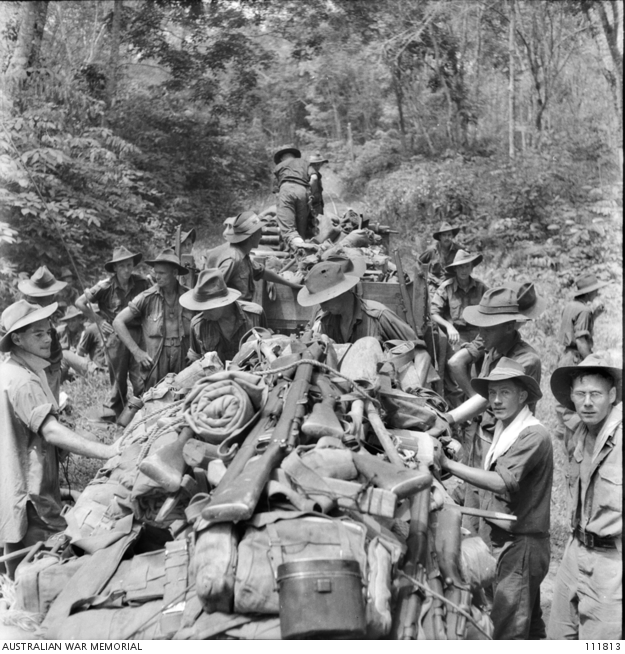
x=321, y=598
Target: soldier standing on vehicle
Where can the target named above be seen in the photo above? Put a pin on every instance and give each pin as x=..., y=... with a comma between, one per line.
x=112, y=296
x=587, y=596
x=316, y=186
x=516, y=479
x=293, y=187
x=233, y=260
x=343, y=315
x=224, y=319
x=42, y=288
x=449, y=301
x=30, y=435
x=440, y=254
x=165, y=324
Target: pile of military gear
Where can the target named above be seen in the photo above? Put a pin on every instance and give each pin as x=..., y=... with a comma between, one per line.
x=295, y=495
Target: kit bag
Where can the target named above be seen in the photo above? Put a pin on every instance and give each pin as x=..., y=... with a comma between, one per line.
x=406, y=411
x=286, y=536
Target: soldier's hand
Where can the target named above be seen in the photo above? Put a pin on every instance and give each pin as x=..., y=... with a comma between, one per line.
x=439, y=428
x=143, y=359
x=452, y=335
x=106, y=327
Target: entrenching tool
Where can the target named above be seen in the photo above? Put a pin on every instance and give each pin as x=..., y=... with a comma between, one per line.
x=322, y=420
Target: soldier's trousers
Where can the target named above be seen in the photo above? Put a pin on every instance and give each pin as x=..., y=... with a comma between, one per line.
x=588, y=595
x=121, y=366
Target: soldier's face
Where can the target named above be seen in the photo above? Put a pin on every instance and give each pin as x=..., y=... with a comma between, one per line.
x=495, y=335
x=445, y=239
x=593, y=398
x=75, y=324
x=506, y=399
x=336, y=305
x=123, y=270
x=165, y=274
x=35, y=339
x=463, y=272
x=186, y=247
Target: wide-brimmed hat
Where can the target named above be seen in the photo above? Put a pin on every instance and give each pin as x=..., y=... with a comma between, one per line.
x=351, y=265
x=325, y=281
x=498, y=305
x=20, y=314
x=598, y=362
x=66, y=272
x=70, y=313
x=41, y=283
x=284, y=149
x=587, y=283
x=317, y=158
x=242, y=226
x=531, y=305
x=122, y=254
x=445, y=227
x=190, y=234
x=508, y=369
x=462, y=257
x=210, y=292
x=168, y=256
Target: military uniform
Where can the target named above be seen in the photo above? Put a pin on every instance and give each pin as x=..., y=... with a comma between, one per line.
x=167, y=352
x=577, y=322
x=238, y=269
x=370, y=318
x=438, y=260
x=208, y=335
x=316, y=192
x=291, y=182
x=111, y=298
x=587, y=596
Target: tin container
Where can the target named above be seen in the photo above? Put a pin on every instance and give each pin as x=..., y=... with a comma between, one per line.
x=321, y=598
x=130, y=411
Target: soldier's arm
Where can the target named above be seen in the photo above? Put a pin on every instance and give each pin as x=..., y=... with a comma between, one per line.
x=119, y=324
x=459, y=365
x=583, y=346
x=83, y=305
x=65, y=439
x=271, y=276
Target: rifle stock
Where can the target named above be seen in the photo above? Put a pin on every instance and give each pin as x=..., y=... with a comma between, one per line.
x=238, y=492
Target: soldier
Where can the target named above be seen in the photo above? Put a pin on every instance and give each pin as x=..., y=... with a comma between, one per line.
x=187, y=240
x=224, y=317
x=316, y=186
x=576, y=328
x=515, y=479
x=343, y=315
x=440, y=254
x=452, y=297
x=112, y=296
x=30, y=434
x=42, y=288
x=587, y=596
x=68, y=296
x=71, y=330
x=293, y=187
x=233, y=259
x=165, y=325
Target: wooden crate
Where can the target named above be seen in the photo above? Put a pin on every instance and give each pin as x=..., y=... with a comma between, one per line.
x=285, y=315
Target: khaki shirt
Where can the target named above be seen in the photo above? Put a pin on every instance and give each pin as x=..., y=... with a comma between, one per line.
x=577, y=321
x=111, y=297
x=438, y=259
x=597, y=503
x=238, y=269
x=207, y=335
x=450, y=300
x=29, y=464
x=370, y=318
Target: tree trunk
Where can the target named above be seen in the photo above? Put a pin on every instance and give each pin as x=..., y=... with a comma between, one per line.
x=118, y=7
x=28, y=47
x=511, y=30
x=399, y=96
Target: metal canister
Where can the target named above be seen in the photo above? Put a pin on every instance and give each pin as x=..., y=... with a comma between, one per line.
x=321, y=598
x=129, y=412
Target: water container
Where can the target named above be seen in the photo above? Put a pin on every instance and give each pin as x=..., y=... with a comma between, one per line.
x=129, y=412
x=321, y=598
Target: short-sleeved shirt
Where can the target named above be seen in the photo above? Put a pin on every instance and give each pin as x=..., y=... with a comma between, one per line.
x=292, y=170
x=597, y=501
x=207, y=335
x=111, y=297
x=577, y=321
x=29, y=463
x=149, y=307
x=237, y=267
x=90, y=345
x=316, y=189
x=450, y=300
x=527, y=472
x=370, y=318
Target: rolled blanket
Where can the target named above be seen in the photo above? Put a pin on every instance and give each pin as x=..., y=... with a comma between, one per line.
x=224, y=403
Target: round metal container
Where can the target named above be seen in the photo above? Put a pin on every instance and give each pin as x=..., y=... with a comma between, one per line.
x=321, y=598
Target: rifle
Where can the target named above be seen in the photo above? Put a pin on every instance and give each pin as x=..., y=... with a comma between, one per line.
x=405, y=297
x=322, y=420
x=238, y=493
